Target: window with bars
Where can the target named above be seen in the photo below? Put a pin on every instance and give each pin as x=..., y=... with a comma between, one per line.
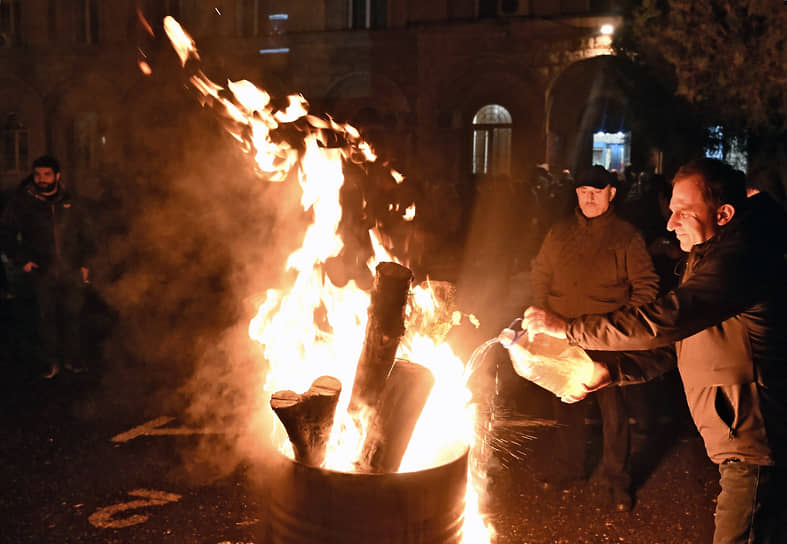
x=492, y=140
x=15, y=146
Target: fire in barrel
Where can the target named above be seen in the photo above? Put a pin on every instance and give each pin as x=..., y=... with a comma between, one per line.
x=374, y=503
x=387, y=463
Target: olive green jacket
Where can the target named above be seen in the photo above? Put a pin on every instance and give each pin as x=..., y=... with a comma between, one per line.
x=592, y=266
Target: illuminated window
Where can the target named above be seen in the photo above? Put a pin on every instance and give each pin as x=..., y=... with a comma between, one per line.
x=15, y=153
x=492, y=140
x=612, y=150
x=368, y=13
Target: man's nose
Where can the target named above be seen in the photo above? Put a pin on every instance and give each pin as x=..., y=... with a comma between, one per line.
x=671, y=222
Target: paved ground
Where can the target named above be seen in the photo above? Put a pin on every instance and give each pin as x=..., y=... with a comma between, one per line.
x=65, y=480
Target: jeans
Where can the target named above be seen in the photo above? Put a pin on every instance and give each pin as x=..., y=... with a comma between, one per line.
x=750, y=508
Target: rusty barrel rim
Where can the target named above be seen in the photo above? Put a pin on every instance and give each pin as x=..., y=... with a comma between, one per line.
x=313, y=504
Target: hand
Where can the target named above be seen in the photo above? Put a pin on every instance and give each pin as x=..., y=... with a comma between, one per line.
x=599, y=379
x=29, y=266
x=537, y=321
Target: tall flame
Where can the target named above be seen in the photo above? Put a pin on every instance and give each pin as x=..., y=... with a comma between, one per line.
x=300, y=347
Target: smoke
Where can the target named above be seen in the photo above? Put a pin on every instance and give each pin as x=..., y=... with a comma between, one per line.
x=189, y=237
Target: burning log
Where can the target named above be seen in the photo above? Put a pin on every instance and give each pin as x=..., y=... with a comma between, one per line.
x=400, y=405
x=383, y=332
x=308, y=418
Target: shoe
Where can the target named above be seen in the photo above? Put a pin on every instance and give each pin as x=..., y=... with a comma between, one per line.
x=52, y=371
x=621, y=499
x=74, y=368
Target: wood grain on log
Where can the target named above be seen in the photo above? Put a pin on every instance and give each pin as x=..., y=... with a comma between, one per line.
x=308, y=418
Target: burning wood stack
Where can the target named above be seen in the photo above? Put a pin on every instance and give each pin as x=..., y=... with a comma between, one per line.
x=390, y=392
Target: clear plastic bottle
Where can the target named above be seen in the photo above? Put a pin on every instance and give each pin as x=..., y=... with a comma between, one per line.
x=550, y=362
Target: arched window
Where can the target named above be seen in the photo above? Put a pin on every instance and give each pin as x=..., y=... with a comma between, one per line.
x=492, y=140
x=15, y=153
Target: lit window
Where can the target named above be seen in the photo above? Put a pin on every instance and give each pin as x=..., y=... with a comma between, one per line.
x=492, y=140
x=15, y=154
x=612, y=150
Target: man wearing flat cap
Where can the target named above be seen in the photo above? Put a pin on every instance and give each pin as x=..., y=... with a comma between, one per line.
x=593, y=262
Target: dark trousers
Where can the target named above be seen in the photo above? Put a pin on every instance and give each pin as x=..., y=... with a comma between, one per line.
x=750, y=508
x=59, y=305
x=614, y=467
x=571, y=438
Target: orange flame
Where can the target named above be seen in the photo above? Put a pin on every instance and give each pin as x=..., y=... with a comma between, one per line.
x=297, y=349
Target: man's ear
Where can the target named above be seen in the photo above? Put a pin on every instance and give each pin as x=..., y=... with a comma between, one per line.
x=724, y=214
x=612, y=192
x=57, y=176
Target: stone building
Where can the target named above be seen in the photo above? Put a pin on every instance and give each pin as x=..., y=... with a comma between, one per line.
x=448, y=90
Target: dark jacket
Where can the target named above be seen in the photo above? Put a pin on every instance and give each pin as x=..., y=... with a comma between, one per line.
x=771, y=218
x=728, y=320
x=591, y=266
x=49, y=231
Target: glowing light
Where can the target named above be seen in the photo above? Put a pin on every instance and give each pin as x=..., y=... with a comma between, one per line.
x=298, y=345
x=607, y=29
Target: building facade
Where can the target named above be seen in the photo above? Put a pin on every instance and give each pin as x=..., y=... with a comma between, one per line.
x=448, y=91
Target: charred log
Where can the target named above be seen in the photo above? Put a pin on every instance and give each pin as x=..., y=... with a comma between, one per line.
x=308, y=418
x=400, y=405
x=384, y=329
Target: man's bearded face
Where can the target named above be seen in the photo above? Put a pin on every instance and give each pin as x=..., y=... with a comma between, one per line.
x=45, y=178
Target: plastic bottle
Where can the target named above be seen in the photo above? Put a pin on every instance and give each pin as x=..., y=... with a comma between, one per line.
x=552, y=363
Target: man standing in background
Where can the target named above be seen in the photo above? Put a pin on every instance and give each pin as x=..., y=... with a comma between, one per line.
x=594, y=262
x=43, y=234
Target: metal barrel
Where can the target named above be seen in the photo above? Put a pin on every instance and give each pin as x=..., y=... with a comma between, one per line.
x=314, y=505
